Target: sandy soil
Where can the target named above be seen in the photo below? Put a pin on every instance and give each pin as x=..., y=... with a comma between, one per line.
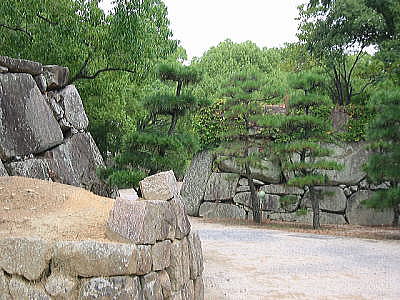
x=31, y=207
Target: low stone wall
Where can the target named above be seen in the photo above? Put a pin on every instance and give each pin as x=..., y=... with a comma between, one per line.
x=225, y=194
x=151, y=254
x=43, y=126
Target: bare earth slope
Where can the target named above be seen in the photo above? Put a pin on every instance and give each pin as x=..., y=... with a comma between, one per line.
x=32, y=207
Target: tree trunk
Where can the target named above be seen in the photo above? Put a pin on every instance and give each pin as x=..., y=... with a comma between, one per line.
x=315, y=207
x=172, y=127
x=396, y=211
x=255, y=203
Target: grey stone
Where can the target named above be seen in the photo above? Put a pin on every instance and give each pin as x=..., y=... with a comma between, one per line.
x=161, y=254
x=4, y=291
x=151, y=286
x=347, y=192
x=199, y=288
x=353, y=156
x=185, y=260
x=176, y=295
x=182, y=221
x=364, y=185
x=195, y=255
x=33, y=168
x=3, y=70
x=221, y=186
x=62, y=286
x=269, y=202
x=141, y=222
x=56, y=76
x=41, y=82
x=21, y=65
x=28, y=257
x=381, y=186
x=242, y=188
x=188, y=291
x=281, y=189
x=332, y=198
x=175, y=270
x=210, y=210
x=243, y=198
x=118, y=287
x=325, y=218
x=354, y=188
x=3, y=171
x=76, y=160
x=359, y=215
x=165, y=282
x=144, y=260
x=58, y=110
x=245, y=182
x=195, y=182
x=161, y=186
x=22, y=132
x=74, y=111
x=269, y=172
x=25, y=290
x=91, y=258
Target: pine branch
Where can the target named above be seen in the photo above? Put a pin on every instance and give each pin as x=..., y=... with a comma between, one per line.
x=18, y=29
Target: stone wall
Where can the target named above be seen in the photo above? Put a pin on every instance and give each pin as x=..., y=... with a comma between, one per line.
x=43, y=126
x=214, y=188
x=151, y=254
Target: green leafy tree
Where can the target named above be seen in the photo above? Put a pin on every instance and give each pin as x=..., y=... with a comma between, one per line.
x=384, y=163
x=246, y=94
x=302, y=153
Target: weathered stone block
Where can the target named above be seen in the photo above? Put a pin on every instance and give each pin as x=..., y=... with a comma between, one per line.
x=118, y=287
x=268, y=202
x=221, y=186
x=195, y=182
x=185, y=260
x=33, y=168
x=62, y=286
x=359, y=215
x=22, y=289
x=56, y=76
x=188, y=291
x=325, y=218
x=28, y=257
x=3, y=70
x=22, y=132
x=74, y=112
x=165, y=282
x=242, y=189
x=199, y=288
x=21, y=65
x=245, y=182
x=174, y=270
x=331, y=198
x=92, y=258
x=151, y=286
x=41, y=82
x=3, y=171
x=161, y=186
x=221, y=211
x=281, y=189
x=161, y=254
x=182, y=221
x=141, y=222
x=4, y=286
x=144, y=260
x=195, y=255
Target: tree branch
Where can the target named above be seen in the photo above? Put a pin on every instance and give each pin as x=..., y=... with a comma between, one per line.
x=46, y=19
x=372, y=81
x=97, y=73
x=17, y=29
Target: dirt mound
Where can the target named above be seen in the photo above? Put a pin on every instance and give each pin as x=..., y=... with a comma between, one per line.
x=32, y=207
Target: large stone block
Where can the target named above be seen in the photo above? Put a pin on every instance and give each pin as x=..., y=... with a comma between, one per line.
x=357, y=214
x=221, y=186
x=22, y=132
x=307, y=218
x=185, y=260
x=353, y=156
x=269, y=171
x=22, y=289
x=144, y=259
x=141, y=222
x=118, y=287
x=331, y=198
x=3, y=171
x=75, y=161
x=21, y=65
x=195, y=182
x=74, y=112
x=175, y=270
x=92, y=258
x=4, y=286
x=188, y=291
x=62, y=286
x=195, y=255
x=199, y=288
x=165, y=282
x=56, y=76
x=33, y=168
x=161, y=254
x=182, y=220
x=268, y=202
x=151, y=285
x=28, y=257
x=281, y=189
x=221, y=211
x=161, y=186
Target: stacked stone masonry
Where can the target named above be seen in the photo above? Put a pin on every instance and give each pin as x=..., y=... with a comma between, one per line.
x=152, y=254
x=226, y=193
x=43, y=126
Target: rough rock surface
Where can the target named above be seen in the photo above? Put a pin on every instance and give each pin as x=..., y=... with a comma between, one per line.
x=221, y=186
x=161, y=253
x=195, y=181
x=353, y=156
x=22, y=132
x=331, y=198
x=161, y=186
x=3, y=171
x=195, y=255
x=22, y=289
x=165, y=282
x=325, y=218
x=152, y=288
x=174, y=270
x=281, y=189
x=198, y=288
x=118, y=287
x=74, y=111
x=56, y=76
x=182, y=221
x=15, y=65
x=142, y=222
x=359, y=215
x=33, y=168
x=221, y=211
x=269, y=202
x=31, y=265
x=61, y=286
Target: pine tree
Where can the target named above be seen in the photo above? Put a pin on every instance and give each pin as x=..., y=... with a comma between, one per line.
x=384, y=163
x=302, y=154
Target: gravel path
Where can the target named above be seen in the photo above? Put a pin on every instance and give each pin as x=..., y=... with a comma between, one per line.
x=247, y=263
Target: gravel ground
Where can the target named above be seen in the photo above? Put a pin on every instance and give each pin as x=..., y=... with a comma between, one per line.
x=248, y=263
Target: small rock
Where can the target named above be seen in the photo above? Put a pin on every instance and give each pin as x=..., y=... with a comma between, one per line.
x=354, y=188
x=347, y=192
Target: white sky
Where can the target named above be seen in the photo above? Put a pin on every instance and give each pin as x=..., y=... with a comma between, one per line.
x=201, y=24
